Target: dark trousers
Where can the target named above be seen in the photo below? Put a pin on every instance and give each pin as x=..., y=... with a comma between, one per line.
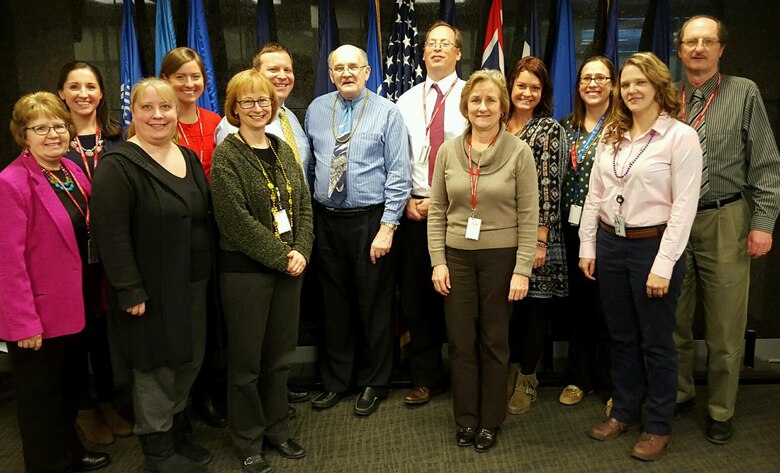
x=528, y=331
x=423, y=307
x=48, y=386
x=358, y=297
x=589, y=344
x=644, y=358
x=94, y=342
x=261, y=310
x=212, y=378
x=477, y=313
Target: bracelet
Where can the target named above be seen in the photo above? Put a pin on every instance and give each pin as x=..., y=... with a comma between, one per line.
x=541, y=244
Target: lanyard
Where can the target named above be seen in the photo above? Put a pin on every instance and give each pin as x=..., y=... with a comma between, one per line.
x=187, y=140
x=474, y=174
x=50, y=175
x=576, y=157
x=706, y=105
x=83, y=154
x=437, y=107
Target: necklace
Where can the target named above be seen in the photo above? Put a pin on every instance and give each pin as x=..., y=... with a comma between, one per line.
x=631, y=164
x=333, y=119
x=89, y=153
x=67, y=185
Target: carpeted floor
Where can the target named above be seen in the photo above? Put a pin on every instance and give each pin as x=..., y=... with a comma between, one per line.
x=549, y=438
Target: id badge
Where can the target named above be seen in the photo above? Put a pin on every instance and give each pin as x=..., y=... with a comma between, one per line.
x=282, y=222
x=575, y=214
x=620, y=225
x=92, y=252
x=472, y=228
x=425, y=153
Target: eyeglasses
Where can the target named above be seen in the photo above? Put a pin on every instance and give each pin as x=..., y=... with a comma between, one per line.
x=706, y=42
x=352, y=68
x=249, y=103
x=600, y=80
x=43, y=130
x=444, y=45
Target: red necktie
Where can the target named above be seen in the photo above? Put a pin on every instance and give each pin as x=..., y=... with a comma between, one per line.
x=436, y=131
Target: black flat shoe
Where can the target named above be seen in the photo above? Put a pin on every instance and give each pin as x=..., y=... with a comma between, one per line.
x=464, y=436
x=485, y=440
x=683, y=407
x=718, y=432
x=207, y=411
x=91, y=461
x=255, y=464
x=326, y=400
x=295, y=396
x=369, y=400
x=290, y=449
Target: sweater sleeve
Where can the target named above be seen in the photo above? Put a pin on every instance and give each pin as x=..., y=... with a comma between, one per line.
x=527, y=195
x=437, y=208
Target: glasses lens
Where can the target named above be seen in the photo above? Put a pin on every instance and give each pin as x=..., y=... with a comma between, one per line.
x=61, y=129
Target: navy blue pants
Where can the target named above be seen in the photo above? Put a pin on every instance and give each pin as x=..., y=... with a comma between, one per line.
x=644, y=358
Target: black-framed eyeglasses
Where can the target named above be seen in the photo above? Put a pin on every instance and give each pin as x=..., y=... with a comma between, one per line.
x=600, y=80
x=444, y=45
x=246, y=104
x=43, y=130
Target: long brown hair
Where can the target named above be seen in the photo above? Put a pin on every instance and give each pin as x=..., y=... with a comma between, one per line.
x=535, y=66
x=577, y=117
x=109, y=127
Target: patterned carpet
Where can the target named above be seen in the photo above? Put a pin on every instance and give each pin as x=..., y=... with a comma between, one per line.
x=549, y=438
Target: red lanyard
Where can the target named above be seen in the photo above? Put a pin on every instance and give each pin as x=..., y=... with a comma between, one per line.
x=187, y=140
x=474, y=175
x=437, y=107
x=84, y=159
x=84, y=213
x=706, y=105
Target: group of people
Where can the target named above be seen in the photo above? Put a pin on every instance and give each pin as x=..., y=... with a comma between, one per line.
x=193, y=221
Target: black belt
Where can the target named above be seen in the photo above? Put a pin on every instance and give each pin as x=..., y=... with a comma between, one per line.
x=348, y=211
x=635, y=233
x=720, y=203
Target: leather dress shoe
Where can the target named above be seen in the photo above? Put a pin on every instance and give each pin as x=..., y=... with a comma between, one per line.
x=650, y=447
x=718, y=432
x=464, y=436
x=418, y=395
x=485, y=439
x=91, y=461
x=369, y=400
x=206, y=410
x=290, y=449
x=294, y=396
x=683, y=407
x=255, y=464
x=610, y=429
x=326, y=400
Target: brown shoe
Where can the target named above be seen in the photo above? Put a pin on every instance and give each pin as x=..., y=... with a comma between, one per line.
x=524, y=395
x=94, y=428
x=418, y=395
x=610, y=429
x=118, y=425
x=650, y=446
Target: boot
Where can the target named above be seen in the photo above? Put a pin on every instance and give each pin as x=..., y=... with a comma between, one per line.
x=524, y=395
x=161, y=457
x=183, y=443
x=514, y=370
x=115, y=422
x=94, y=428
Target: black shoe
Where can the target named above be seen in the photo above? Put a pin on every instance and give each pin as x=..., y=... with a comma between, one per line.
x=683, y=407
x=91, y=461
x=718, y=432
x=464, y=436
x=255, y=464
x=326, y=400
x=485, y=440
x=290, y=449
x=291, y=412
x=207, y=411
x=294, y=396
x=181, y=433
x=369, y=400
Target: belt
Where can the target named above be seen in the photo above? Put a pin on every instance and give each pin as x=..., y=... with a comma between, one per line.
x=636, y=233
x=720, y=203
x=348, y=211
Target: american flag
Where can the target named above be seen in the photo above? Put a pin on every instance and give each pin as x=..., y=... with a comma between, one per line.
x=403, y=63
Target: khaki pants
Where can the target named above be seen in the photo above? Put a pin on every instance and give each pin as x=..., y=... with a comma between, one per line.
x=718, y=272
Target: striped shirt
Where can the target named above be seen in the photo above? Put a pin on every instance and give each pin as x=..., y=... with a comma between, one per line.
x=378, y=168
x=741, y=150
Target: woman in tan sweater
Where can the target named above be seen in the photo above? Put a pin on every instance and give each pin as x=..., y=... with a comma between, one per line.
x=481, y=238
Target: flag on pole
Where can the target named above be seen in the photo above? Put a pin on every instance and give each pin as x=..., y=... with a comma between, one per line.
x=329, y=40
x=493, y=55
x=447, y=11
x=264, y=19
x=130, y=62
x=532, y=40
x=656, y=31
x=403, y=61
x=611, y=34
x=562, y=66
x=374, y=50
x=164, y=37
x=198, y=39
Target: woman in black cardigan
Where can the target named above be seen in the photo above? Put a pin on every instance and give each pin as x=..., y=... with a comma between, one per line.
x=152, y=225
x=263, y=210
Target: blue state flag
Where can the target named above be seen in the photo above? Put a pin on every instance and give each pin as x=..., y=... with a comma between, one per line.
x=611, y=48
x=374, y=50
x=493, y=52
x=130, y=63
x=164, y=35
x=198, y=39
x=404, y=63
x=265, y=11
x=329, y=40
x=656, y=31
x=562, y=66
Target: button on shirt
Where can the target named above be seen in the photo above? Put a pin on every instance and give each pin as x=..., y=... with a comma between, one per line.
x=275, y=128
x=662, y=187
x=378, y=167
x=411, y=106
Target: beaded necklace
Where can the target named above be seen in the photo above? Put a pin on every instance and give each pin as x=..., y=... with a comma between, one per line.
x=67, y=185
x=93, y=152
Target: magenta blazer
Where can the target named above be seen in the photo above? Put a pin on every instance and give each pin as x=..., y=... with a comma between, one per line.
x=40, y=275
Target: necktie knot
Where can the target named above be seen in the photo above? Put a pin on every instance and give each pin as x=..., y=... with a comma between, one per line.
x=698, y=95
x=438, y=90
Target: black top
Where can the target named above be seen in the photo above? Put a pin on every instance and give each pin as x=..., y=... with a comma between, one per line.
x=88, y=142
x=76, y=217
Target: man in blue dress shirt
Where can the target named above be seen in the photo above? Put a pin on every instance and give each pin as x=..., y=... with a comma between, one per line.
x=362, y=179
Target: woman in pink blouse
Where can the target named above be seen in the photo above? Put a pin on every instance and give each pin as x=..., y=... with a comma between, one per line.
x=644, y=189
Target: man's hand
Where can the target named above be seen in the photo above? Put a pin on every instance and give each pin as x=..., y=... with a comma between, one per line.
x=422, y=207
x=137, y=310
x=411, y=211
x=759, y=243
x=382, y=243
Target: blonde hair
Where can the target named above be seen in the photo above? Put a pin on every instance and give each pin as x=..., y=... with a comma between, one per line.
x=482, y=75
x=164, y=90
x=36, y=105
x=246, y=81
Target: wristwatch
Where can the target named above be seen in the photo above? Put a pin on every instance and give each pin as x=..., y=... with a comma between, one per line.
x=389, y=225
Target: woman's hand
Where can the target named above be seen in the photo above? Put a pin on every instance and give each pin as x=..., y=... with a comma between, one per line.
x=588, y=267
x=33, y=342
x=441, y=279
x=541, y=255
x=296, y=263
x=518, y=287
x=657, y=286
x=137, y=310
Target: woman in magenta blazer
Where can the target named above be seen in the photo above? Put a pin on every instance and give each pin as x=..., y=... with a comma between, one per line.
x=44, y=240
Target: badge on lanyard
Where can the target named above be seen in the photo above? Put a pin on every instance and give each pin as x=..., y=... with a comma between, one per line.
x=424, y=153
x=472, y=228
x=282, y=222
x=575, y=214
